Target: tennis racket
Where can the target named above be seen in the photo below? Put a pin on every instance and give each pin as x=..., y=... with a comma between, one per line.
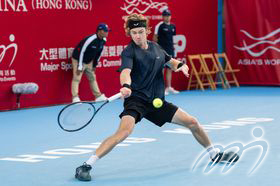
x=77, y=116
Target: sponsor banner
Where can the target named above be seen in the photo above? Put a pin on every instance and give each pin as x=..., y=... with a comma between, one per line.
x=252, y=40
x=37, y=39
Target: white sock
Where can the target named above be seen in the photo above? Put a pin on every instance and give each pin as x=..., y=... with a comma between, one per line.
x=92, y=160
x=212, y=151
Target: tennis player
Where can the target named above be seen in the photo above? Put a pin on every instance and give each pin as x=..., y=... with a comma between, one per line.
x=142, y=80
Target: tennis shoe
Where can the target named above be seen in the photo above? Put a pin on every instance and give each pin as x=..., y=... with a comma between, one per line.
x=101, y=98
x=83, y=172
x=223, y=157
x=76, y=99
x=171, y=90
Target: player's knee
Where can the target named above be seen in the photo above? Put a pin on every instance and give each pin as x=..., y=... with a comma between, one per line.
x=76, y=79
x=193, y=124
x=127, y=132
x=123, y=134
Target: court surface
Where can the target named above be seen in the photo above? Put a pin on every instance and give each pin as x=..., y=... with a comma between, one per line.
x=35, y=151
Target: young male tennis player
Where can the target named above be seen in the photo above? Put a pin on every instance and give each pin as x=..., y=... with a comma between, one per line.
x=142, y=80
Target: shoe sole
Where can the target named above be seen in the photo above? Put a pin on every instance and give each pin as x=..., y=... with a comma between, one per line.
x=82, y=179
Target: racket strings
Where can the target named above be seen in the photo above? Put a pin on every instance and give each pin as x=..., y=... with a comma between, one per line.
x=76, y=115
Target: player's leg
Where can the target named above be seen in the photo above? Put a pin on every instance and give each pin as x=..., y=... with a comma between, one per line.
x=168, y=73
x=184, y=119
x=125, y=129
x=90, y=72
x=169, y=88
x=171, y=113
x=75, y=81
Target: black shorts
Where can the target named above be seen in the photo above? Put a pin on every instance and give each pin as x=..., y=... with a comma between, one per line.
x=139, y=109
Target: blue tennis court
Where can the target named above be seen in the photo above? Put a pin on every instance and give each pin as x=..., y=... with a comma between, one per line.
x=35, y=151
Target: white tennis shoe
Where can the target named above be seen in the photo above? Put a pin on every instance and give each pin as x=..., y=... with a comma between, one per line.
x=171, y=90
x=101, y=98
x=76, y=99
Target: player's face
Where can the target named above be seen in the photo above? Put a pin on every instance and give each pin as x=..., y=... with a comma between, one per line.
x=103, y=34
x=166, y=19
x=139, y=35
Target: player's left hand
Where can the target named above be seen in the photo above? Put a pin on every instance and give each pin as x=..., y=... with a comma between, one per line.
x=184, y=69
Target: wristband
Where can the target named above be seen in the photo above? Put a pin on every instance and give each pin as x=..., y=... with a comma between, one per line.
x=180, y=65
x=126, y=86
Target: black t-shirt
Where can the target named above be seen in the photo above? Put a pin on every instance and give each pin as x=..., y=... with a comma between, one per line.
x=146, y=70
x=89, y=49
x=165, y=34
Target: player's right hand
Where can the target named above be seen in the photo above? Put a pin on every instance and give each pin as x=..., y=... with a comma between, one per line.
x=126, y=92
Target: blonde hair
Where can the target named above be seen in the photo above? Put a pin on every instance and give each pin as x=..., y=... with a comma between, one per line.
x=136, y=17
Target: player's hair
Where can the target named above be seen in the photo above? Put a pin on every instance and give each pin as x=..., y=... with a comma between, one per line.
x=136, y=17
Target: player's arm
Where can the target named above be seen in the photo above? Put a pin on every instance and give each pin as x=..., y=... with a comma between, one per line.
x=174, y=34
x=81, y=58
x=177, y=66
x=97, y=57
x=155, y=38
x=125, y=81
x=82, y=53
x=98, y=54
x=80, y=64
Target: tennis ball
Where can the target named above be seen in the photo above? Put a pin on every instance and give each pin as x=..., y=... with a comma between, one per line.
x=157, y=102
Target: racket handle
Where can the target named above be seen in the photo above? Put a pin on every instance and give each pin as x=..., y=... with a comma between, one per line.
x=114, y=97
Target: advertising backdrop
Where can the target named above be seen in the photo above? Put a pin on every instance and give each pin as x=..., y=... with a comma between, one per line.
x=252, y=40
x=37, y=38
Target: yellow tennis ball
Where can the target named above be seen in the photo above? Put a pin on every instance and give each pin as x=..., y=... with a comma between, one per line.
x=157, y=102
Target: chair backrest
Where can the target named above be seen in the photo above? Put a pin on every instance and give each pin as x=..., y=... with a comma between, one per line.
x=227, y=65
x=210, y=63
x=201, y=72
x=215, y=70
x=227, y=68
x=197, y=64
